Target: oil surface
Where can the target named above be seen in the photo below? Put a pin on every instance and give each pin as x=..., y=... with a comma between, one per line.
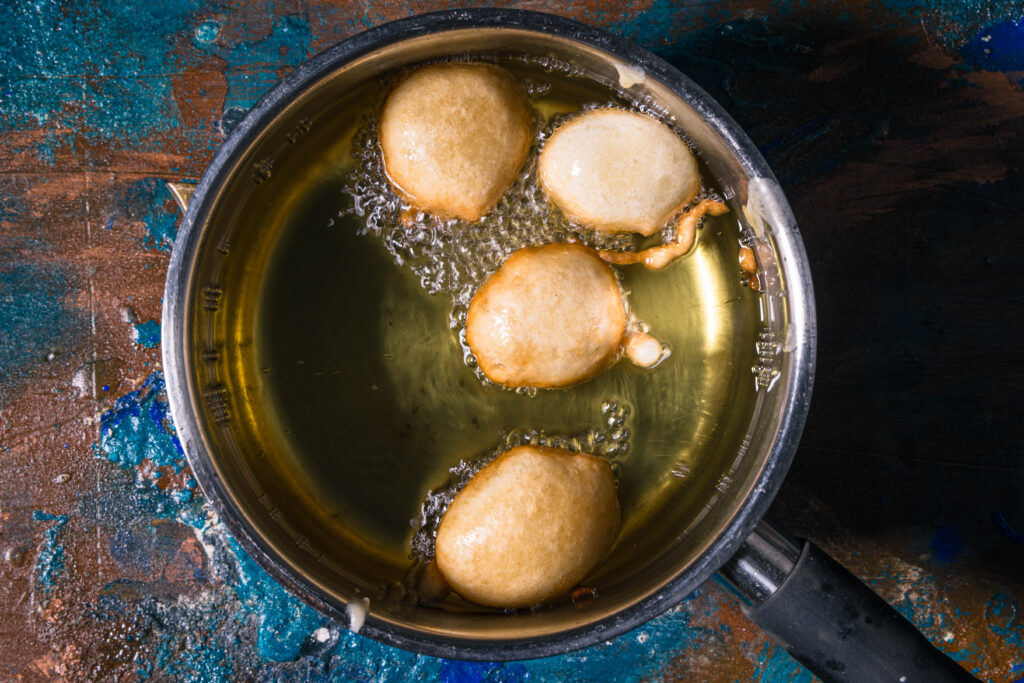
x=370, y=395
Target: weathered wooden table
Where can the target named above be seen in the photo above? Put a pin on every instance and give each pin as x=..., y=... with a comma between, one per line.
x=897, y=130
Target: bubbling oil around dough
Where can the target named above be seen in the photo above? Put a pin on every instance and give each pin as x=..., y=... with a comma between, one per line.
x=455, y=257
x=607, y=441
x=452, y=256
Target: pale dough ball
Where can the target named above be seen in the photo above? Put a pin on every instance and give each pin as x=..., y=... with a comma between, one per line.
x=529, y=526
x=551, y=316
x=618, y=171
x=453, y=137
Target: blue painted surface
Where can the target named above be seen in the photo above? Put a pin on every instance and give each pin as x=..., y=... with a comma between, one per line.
x=952, y=21
x=999, y=47
x=36, y=320
x=11, y=208
x=946, y=544
x=102, y=69
x=138, y=428
x=253, y=66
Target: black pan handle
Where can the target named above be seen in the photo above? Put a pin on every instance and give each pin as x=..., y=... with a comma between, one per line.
x=825, y=617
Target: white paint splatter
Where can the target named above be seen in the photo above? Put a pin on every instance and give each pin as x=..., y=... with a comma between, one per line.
x=212, y=520
x=80, y=381
x=322, y=635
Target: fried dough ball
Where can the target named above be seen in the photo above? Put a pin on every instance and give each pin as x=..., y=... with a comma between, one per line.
x=528, y=527
x=551, y=316
x=453, y=137
x=618, y=171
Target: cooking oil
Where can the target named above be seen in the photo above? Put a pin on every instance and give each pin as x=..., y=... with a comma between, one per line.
x=358, y=387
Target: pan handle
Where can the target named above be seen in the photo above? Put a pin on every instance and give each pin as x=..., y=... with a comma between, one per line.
x=825, y=617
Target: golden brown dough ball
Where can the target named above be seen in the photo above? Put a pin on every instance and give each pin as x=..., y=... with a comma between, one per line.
x=551, y=316
x=528, y=527
x=453, y=137
x=618, y=171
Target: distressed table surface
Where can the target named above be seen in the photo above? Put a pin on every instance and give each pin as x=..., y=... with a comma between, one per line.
x=897, y=130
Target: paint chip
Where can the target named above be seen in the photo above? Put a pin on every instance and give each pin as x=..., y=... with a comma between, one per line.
x=207, y=31
x=80, y=381
x=322, y=635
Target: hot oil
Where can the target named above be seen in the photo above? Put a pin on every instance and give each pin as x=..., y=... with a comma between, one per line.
x=371, y=397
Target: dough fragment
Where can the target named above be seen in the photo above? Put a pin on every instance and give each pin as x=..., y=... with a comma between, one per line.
x=618, y=171
x=643, y=349
x=656, y=258
x=529, y=526
x=453, y=137
x=551, y=316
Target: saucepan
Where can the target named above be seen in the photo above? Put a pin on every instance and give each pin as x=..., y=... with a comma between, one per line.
x=326, y=321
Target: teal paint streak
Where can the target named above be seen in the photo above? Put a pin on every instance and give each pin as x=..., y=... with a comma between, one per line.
x=284, y=622
x=37, y=325
x=775, y=665
x=649, y=28
x=958, y=25
x=1002, y=614
x=253, y=66
x=11, y=205
x=50, y=560
x=103, y=69
x=638, y=655
x=147, y=334
x=149, y=201
x=953, y=21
